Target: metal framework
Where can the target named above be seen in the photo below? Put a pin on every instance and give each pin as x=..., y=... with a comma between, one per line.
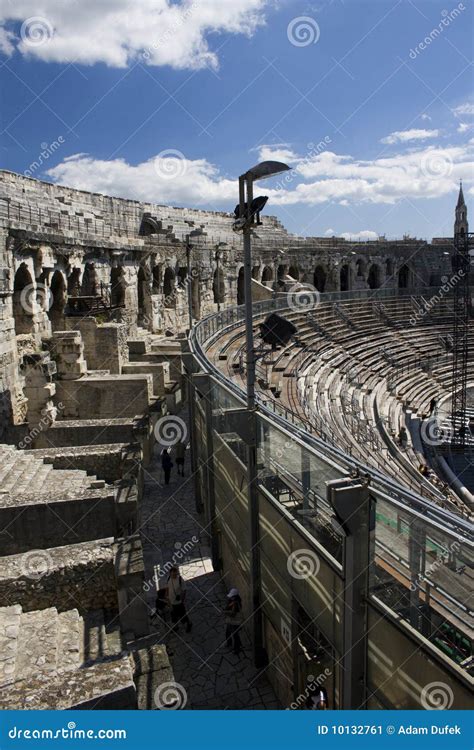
x=460, y=334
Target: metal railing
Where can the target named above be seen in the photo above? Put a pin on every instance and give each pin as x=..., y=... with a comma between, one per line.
x=205, y=333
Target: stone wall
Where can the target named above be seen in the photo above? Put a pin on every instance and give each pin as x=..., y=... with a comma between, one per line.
x=80, y=576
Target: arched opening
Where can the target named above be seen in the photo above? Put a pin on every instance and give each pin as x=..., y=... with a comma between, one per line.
x=267, y=275
x=361, y=266
x=23, y=301
x=58, y=301
x=218, y=286
x=141, y=292
x=195, y=294
x=319, y=278
x=389, y=269
x=168, y=288
x=374, y=278
x=90, y=283
x=156, y=280
x=117, y=287
x=345, y=278
x=255, y=272
x=294, y=273
x=403, y=277
x=74, y=283
x=182, y=275
x=241, y=287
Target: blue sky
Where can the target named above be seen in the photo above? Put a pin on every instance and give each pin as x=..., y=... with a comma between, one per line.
x=371, y=102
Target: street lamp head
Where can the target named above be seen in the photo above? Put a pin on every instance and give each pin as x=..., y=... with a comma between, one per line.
x=266, y=169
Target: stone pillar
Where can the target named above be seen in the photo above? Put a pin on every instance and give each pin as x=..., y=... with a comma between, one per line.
x=68, y=351
x=39, y=389
x=129, y=572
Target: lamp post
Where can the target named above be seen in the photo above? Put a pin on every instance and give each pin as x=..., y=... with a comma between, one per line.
x=247, y=216
x=189, y=247
x=218, y=255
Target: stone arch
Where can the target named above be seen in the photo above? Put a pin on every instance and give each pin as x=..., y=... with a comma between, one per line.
x=182, y=275
x=403, y=277
x=374, y=278
x=141, y=292
x=117, y=287
x=345, y=278
x=319, y=278
x=241, y=287
x=90, y=282
x=169, y=281
x=23, y=300
x=267, y=275
x=218, y=286
x=294, y=272
x=195, y=291
x=58, y=290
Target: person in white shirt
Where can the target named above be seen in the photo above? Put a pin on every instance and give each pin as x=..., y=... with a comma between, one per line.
x=176, y=598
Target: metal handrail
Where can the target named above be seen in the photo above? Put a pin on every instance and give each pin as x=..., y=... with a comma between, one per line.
x=206, y=330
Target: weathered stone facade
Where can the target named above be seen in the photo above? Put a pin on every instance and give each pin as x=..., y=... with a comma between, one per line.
x=92, y=289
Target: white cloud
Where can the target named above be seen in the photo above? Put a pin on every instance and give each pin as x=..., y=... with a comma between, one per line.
x=426, y=173
x=404, y=136
x=277, y=152
x=464, y=109
x=6, y=42
x=464, y=127
x=329, y=233
x=168, y=180
x=424, y=116
x=430, y=172
x=116, y=33
x=365, y=234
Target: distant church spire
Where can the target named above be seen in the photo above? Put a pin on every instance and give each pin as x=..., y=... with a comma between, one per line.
x=460, y=224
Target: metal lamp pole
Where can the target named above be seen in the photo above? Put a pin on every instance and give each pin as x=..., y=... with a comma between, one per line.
x=246, y=221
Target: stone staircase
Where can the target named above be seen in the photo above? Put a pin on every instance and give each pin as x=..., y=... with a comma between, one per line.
x=21, y=472
x=45, y=645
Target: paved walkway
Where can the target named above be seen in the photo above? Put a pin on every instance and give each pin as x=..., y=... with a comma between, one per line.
x=212, y=676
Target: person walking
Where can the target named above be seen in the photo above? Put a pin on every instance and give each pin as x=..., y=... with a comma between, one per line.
x=166, y=464
x=433, y=406
x=176, y=598
x=233, y=620
x=180, y=453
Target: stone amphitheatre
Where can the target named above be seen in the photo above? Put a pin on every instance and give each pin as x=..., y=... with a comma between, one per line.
x=96, y=296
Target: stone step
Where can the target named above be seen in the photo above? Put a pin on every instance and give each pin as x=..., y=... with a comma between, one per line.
x=9, y=628
x=70, y=641
x=100, y=641
x=37, y=644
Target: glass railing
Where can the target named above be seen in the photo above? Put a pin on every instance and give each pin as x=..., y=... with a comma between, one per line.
x=423, y=554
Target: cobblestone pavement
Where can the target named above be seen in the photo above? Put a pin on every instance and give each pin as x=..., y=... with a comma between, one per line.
x=212, y=676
